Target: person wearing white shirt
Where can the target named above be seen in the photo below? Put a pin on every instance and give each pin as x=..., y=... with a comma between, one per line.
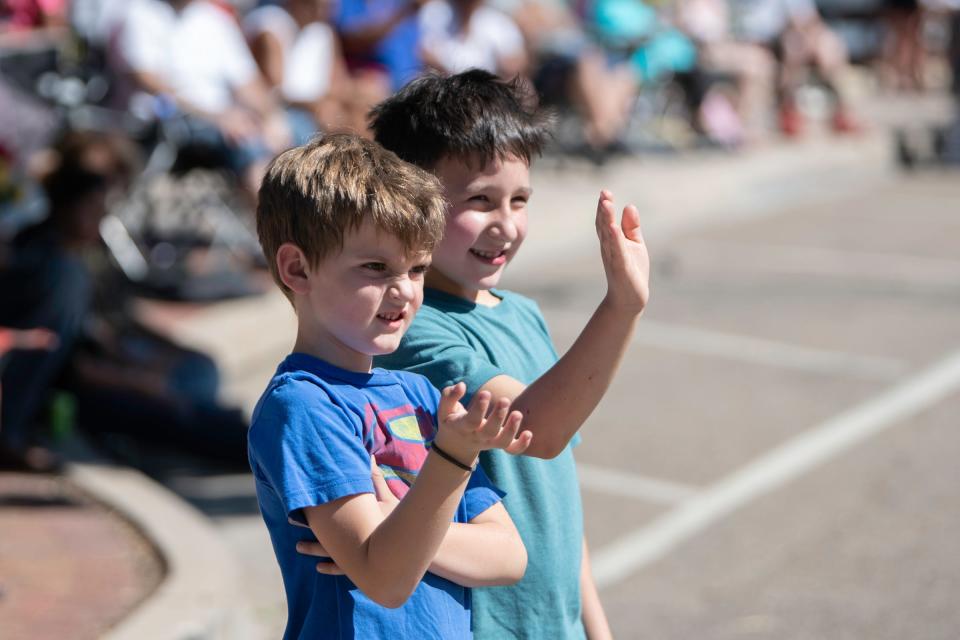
x=300, y=57
x=462, y=34
x=191, y=55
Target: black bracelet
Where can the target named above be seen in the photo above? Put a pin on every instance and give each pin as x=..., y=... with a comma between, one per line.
x=449, y=458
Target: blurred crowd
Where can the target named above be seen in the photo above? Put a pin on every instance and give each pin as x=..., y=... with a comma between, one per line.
x=133, y=134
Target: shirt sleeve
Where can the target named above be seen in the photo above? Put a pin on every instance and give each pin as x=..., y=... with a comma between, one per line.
x=308, y=449
x=442, y=353
x=480, y=494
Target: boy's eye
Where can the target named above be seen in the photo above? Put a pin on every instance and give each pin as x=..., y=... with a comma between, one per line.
x=375, y=266
x=520, y=200
x=478, y=198
x=420, y=269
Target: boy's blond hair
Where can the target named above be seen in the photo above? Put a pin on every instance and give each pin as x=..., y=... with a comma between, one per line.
x=312, y=195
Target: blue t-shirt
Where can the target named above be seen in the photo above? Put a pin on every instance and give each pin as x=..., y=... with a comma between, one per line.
x=398, y=52
x=311, y=438
x=453, y=339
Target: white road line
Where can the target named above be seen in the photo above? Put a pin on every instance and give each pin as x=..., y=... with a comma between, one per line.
x=766, y=352
x=629, y=485
x=773, y=470
x=753, y=350
x=827, y=261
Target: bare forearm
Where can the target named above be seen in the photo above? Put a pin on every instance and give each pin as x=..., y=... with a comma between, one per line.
x=480, y=555
x=151, y=83
x=594, y=618
x=421, y=520
x=557, y=404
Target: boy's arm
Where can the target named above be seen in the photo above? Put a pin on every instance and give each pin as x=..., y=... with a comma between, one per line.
x=485, y=552
x=557, y=404
x=594, y=619
x=363, y=542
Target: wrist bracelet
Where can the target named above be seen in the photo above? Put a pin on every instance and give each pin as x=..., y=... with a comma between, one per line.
x=449, y=458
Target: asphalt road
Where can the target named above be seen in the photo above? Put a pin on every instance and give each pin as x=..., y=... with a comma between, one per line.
x=778, y=457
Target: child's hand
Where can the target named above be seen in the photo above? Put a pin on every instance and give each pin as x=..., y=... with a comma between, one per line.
x=625, y=258
x=464, y=433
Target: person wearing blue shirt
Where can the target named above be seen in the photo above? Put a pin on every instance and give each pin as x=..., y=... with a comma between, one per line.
x=375, y=468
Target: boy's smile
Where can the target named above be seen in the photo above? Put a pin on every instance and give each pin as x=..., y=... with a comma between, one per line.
x=486, y=224
x=359, y=302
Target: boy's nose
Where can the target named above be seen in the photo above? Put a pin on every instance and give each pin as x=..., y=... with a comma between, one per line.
x=504, y=228
x=402, y=289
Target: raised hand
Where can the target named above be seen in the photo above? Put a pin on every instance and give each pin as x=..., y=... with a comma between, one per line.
x=467, y=432
x=625, y=258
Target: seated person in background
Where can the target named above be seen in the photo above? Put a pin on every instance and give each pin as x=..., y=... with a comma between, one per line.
x=29, y=458
x=752, y=66
x=796, y=34
x=189, y=56
x=567, y=67
x=381, y=44
x=44, y=283
x=30, y=23
x=462, y=34
x=125, y=379
x=299, y=56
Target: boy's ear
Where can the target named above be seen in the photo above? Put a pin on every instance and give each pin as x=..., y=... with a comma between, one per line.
x=293, y=268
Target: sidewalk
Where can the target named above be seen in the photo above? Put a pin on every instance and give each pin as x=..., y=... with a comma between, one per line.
x=69, y=567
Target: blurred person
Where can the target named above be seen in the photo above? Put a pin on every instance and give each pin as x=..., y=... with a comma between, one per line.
x=190, y=57
x=381, y=44
x=752, y=66
x=44, y=283
x=28, y=458
x=568, y=68
x=300, y=57
x=461, y=34
x=31, y=34
x=31, y=21
x=903, y=51
x=125, y=379
x=795, y=33
x=96, y=21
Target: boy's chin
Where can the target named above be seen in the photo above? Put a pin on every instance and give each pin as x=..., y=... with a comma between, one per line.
x=384, y=345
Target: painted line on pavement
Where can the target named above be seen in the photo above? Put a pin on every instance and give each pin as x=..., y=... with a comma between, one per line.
x=766, y=352
x=824, y=261
x=629, y=485
x=775, y=469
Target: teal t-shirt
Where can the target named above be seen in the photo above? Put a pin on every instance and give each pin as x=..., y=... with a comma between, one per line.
x=450, y=340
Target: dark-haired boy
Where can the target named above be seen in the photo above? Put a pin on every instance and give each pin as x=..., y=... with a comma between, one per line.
x=478, y=135
x=348, y=228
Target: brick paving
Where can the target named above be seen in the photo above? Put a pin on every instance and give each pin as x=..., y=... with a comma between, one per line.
x=69, y=567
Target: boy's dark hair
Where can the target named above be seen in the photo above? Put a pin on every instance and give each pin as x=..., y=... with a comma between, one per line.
x=314, y=194
x=469, y=115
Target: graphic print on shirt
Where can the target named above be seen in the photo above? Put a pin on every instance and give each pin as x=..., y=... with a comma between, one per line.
x=398, y=438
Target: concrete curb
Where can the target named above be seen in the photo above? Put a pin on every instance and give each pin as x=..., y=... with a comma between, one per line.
x=198, y=595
